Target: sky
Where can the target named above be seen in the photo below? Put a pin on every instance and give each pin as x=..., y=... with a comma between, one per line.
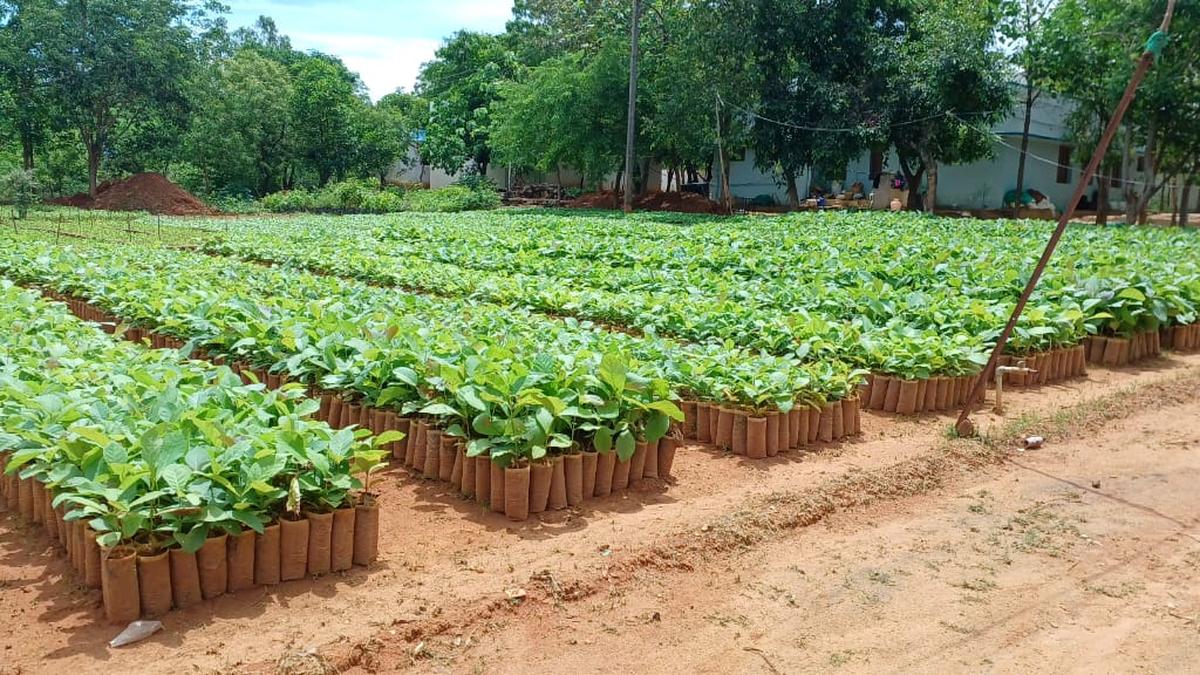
x=384, y=42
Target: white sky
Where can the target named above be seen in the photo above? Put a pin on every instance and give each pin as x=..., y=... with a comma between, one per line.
x=384, y=42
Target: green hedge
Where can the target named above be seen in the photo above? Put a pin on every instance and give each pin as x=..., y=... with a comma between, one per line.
x=364, y=196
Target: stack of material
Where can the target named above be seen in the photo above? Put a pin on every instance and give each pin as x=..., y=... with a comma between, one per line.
x=545, y=194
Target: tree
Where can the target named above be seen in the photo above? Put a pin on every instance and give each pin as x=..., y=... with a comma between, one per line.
x=569, y=111
x=1020, y=26
x=944, y=86
x=241, y=135
x=324, y=97
x=114, y=61
x=24, y=97
x=1092, y=47
x=461, y=83
x=810, y=56
x=383, y=138
x=1163, y=120
x=20, y=188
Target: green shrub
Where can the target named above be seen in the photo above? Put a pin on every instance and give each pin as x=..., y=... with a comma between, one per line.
x=289, y=201
x=452, y=198
x=365, y=196
x=19, y=188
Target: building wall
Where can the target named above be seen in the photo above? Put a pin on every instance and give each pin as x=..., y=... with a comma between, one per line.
x=746, y=181
x=981, y=185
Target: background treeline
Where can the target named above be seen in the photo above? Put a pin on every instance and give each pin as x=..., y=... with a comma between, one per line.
x=96, y=89
x=104, y=88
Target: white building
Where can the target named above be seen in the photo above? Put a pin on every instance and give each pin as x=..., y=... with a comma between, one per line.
x=1049, y=168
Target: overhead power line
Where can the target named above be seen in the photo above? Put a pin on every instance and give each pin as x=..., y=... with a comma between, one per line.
x=802, y=127
x=1040, y=158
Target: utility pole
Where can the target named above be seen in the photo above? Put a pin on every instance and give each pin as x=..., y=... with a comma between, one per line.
x=631, y=122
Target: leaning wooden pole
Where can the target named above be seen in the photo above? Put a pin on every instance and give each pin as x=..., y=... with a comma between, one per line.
x=964, y=426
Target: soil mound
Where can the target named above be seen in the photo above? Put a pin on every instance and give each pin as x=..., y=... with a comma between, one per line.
x=150, y=192
x=604, y=199
x=682, y=202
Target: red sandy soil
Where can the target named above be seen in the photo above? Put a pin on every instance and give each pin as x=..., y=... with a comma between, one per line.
x=683, y=202
x=150, y=192
x=886, y=553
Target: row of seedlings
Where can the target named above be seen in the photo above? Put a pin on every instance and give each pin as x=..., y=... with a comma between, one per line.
x=286, y=515
x=520, y=481
x=1120, y=351
x=758, y=433
x=1180, y=338
x=629, y=453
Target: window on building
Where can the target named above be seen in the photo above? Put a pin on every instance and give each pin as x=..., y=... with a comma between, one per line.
x=1064, y=164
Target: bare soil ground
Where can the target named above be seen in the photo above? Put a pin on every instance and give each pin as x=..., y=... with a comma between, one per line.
x=901, y=551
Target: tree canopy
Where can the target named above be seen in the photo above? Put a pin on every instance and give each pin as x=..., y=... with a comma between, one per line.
x=100, y=88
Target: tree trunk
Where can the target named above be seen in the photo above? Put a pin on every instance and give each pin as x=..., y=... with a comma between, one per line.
x=931, y=185
x=644, y=182
x=912, y=181
x=1185, y=202
x=93, y=153
x=1029, y=98
x=793, y=193
x=1148, y=186
x=1175, y=204
x=1128, y=188
x=27, y=152
x=726, y=191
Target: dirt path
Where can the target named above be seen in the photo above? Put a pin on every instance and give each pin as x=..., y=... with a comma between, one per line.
x=1081, y=557
x=716, y=555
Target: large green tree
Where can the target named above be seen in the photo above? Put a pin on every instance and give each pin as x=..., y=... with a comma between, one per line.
x=325, y=97
x=810, y=57
x=461, y=83
x=1020, y=27
x=384, y=135
x=569, y=112
x=25, y=98
x=1092, y=47
x=241, y=138
x=113, y=62
x=939, y=91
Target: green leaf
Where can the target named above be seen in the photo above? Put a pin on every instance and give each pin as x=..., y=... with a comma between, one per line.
x=626, y=445
x=656, y=427
x=439, y=410
x=390, y=436
x=603, y=440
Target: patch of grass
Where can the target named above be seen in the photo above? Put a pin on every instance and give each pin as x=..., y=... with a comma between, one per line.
x=955, y=628
x=725, y=621
x=1040, y=529
x=977, y=585
x=1118, y=591
x=881, y=577
x=841, y=658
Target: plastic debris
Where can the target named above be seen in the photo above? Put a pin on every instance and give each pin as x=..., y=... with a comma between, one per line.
x=136, y=632
x=1032, y=442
